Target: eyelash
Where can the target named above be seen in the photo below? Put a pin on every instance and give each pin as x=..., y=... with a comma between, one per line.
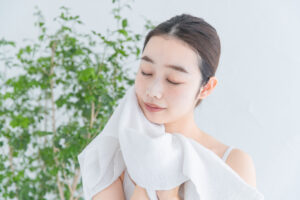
x=143, y=73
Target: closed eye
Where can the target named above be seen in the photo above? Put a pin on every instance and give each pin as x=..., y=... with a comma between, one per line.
x=144, y=74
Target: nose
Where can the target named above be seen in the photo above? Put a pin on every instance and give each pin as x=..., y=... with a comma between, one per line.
x=155, y=89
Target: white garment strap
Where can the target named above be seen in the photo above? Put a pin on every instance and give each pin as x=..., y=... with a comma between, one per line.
x=227, y=152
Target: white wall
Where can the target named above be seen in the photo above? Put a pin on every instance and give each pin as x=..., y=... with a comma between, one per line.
x=255, y=105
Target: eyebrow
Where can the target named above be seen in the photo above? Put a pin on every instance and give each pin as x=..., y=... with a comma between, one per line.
x=175, y=67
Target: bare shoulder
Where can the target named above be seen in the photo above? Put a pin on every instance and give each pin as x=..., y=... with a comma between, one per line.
x=242, y=163
x=114, y=191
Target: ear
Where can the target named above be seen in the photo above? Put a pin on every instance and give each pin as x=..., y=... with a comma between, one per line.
x=208, y=88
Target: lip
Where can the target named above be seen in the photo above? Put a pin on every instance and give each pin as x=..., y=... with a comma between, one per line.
x=153, y=107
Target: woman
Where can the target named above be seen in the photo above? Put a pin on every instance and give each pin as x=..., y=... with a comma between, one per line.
x=177, y=70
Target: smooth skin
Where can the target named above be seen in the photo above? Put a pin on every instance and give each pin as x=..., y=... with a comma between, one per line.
x=116, y=192
x=113, y=192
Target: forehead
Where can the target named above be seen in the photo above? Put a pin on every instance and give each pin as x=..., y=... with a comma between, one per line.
x=167, y=50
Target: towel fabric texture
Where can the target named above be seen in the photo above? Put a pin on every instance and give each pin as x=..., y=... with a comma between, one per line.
x=156, y=159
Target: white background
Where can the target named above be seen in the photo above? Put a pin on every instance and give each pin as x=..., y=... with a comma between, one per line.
x=255, y=105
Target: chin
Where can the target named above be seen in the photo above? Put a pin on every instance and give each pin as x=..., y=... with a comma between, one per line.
x=156, y=122
x=154, y=119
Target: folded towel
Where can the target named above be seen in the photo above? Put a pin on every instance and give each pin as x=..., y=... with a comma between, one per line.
x=156, y=160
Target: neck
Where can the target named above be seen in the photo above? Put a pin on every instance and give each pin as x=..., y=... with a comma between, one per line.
x=185, y=126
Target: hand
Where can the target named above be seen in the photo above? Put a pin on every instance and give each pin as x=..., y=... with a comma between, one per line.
x=131, y=180
x=172, y=194
x=139, y=193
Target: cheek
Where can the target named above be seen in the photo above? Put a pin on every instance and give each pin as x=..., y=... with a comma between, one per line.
x=183, y=96
x=139, y=84
x=140, y=87
x=179, y=97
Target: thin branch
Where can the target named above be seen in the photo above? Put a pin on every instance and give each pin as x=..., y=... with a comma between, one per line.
x=92, y=114
x=61, y=194
x=74, y=184
x=77, y=175
x=52, y=86
x=97, y=111
x=46, y=117
x=79, y=195
x=60, y=189
x=11, y=158
x=69, y=185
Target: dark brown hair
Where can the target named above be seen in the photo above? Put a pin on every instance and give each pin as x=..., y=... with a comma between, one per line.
x=199, y=35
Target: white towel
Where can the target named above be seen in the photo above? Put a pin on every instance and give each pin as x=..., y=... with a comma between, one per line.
x=156, y=160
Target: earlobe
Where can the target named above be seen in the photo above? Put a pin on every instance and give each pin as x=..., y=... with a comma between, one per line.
x=208, y=87
x=212, y=82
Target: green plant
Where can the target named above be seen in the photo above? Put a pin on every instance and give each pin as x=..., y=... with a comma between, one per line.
x=68, y=86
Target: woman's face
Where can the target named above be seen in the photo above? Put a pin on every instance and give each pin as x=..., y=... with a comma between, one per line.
x=159, y=82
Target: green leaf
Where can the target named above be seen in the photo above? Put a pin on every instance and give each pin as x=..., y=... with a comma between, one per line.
x=43, y=133
x=124, y=23
x=86, y=74
x=123, y=32
x=21, y=121
x=66, y=75
x=4, y=42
